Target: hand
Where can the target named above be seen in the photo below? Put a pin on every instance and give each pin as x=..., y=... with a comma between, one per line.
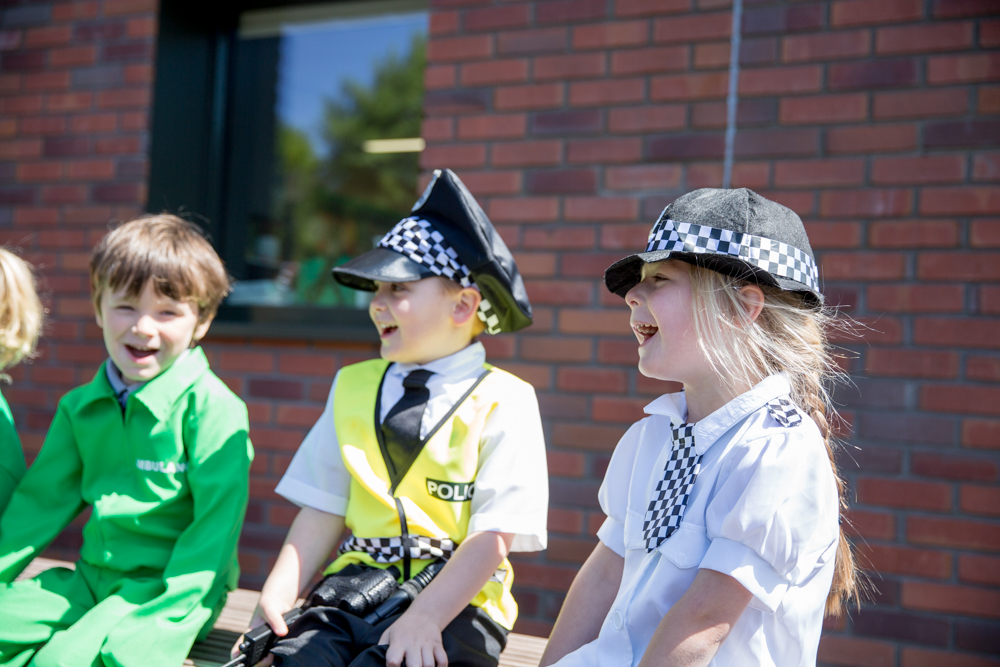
x=270, y=612
x=415, y=640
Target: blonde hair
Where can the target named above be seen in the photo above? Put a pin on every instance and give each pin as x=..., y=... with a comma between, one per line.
x=790, y=337
x=168, y=250
x=21, y=311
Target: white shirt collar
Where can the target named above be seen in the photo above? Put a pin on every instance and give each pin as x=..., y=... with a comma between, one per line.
x=712, y=427
x=460, y=364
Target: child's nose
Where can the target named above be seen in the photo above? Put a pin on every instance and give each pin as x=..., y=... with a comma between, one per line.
x=634, y=296
x=144, y=326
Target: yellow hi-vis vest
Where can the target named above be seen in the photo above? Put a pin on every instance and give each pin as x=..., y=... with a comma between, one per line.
x=432, y=500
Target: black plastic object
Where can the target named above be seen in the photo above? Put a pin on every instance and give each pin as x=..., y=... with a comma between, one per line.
x=407, y=593
x=258, y=642
x=356, y=594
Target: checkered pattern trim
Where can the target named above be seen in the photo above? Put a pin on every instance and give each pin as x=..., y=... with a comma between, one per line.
x=779, y=259
x=784, y=412
x=417, y=239
x=390, y=549
x=666, y=509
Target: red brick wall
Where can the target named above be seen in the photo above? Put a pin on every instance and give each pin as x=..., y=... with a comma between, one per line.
x=576, y=121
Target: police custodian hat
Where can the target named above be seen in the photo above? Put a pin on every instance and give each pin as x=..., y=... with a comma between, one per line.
x=735, y=232
x=447, y=235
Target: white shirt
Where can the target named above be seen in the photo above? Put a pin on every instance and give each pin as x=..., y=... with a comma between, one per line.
x=512, y=485
x=764, y=510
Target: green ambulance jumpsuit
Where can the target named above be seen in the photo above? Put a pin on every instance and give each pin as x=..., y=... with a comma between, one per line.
x=11, y=457
x=167, y=483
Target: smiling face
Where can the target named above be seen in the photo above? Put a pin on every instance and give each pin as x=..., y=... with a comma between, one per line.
x=423, y=320
x=663, y=322
x=145, y=334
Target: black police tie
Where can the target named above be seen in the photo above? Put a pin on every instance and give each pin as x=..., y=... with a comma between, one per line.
x=401, y=428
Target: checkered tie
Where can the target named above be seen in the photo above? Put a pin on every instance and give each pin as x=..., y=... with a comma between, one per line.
x=666, y=509
x=401, y=428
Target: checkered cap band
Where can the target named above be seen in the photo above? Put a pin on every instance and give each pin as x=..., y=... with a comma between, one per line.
x=666, y=510
x=775, y=257
x=784, y=412
x=418, y=240
x=390, y=549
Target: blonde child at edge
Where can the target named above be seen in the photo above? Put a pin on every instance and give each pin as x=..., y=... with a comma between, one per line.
x=20, y=323
x=721, y=544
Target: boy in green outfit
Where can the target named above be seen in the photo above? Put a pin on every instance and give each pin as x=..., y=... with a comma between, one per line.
x=157, y=446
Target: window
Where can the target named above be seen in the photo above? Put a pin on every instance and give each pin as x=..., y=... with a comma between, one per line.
x=311, y=117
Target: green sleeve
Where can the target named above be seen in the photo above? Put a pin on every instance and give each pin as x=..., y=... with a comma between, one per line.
x=203, y=563
x=11, y=456
x=45, y=501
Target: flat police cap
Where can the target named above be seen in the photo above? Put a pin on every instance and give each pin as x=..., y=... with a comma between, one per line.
x=735, y=232
x=447, y=235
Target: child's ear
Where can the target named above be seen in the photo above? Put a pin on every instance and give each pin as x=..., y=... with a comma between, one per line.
x=466, y=305
x=201, y=330
x=752, y=298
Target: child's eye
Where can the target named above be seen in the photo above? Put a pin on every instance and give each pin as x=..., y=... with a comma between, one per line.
x=125, y=308
x=397, y=287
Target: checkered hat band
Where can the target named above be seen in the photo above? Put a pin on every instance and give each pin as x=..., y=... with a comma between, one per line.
x=775, y=257
x=390, y=549
x=418, y=240
x=666, y=509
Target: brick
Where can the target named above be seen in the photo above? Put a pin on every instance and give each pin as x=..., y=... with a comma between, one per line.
x=606, y=92
x=916, y=628
x=72, y=56
x=492, y=126
x=33, y=172
x=649, y=118
x=962, y=134
x=920, y=104
x=492, y=72
x=567, y=11
x=533, y=96
x=526, y=153
x=686, y=147
x=611, y=35
x=907, y=427
x=866, y=203
x=925, y=38
x=983, y=368
x=984, y=500
x=759, y=52
x=918, y=170
x=623, y=237
x=780, y=80
x=46, y=81
x=141, y=27
x=986, y=167
x=862, y=266
x=693, y=28
x=472, y=155
x=960, y=201
x=437, y=129
x=981, y=400
x=64, y=194
x=812, y=173
x=953, y=467
x=22, y=104
x=825, y=46
x=566, y=122
x=532, y=41
x=970, y=266
x=123, y=193
x=650, y=60
x=913, y=234
x=782, y=19
x=971, y=68
x=586, y=151
x=601, y=209
x=437, y=77
x=904, y=494
x=74, y=10
x=592, y=321
x=689, y=86
x=962, y=8
x=833, y=235
x=22, y=61
x=562, y=238
x=591, y=380
x=649, y=7
x=69, y=102
x=872, y=74
x=493, y=18
x=94, y=123
x=871, y=139
x=711, y=55
x=643, y=177
x=124, y=99
x=571, y=66
x=945, y=598
x=989, y=300
x=556, y=349
x=65, y=146
x=973, y=333
x=20, y=148
x=981, y=434
x=915, y=657
x=563, y=181
x=90, y=170
x=127, y=51
x=122, y=7
x=980, y=569
x=260, y=362
x=823, y=109
x=482, y=183
x=862, y=12
x=443, y=23
x=912, y=363
x=839, y=650
x=524, y=209
x=450, y=49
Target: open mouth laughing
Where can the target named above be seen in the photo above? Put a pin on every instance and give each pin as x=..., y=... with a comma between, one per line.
x=644, y=331
x=140, y=351
x=385, y=329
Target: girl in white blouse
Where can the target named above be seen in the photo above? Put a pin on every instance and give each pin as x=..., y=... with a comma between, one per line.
x=722, y=544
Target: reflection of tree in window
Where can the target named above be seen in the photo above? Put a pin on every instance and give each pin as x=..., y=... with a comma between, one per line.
x=338, y=203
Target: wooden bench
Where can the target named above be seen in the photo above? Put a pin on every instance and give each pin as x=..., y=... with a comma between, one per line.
x=521, y=651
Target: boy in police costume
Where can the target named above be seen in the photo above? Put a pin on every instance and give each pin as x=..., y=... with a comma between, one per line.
x=156, y=445
x=426, y=453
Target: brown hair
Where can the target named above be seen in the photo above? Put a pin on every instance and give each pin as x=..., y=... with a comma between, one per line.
x=171, y=252
x=787, y=337
x=21, y=311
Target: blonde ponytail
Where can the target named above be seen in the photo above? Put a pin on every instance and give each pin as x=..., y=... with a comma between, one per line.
x=786, y=337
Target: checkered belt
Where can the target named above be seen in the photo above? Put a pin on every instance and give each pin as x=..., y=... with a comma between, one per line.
x=776, y=258
x=390, y=549
x=666, y=509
